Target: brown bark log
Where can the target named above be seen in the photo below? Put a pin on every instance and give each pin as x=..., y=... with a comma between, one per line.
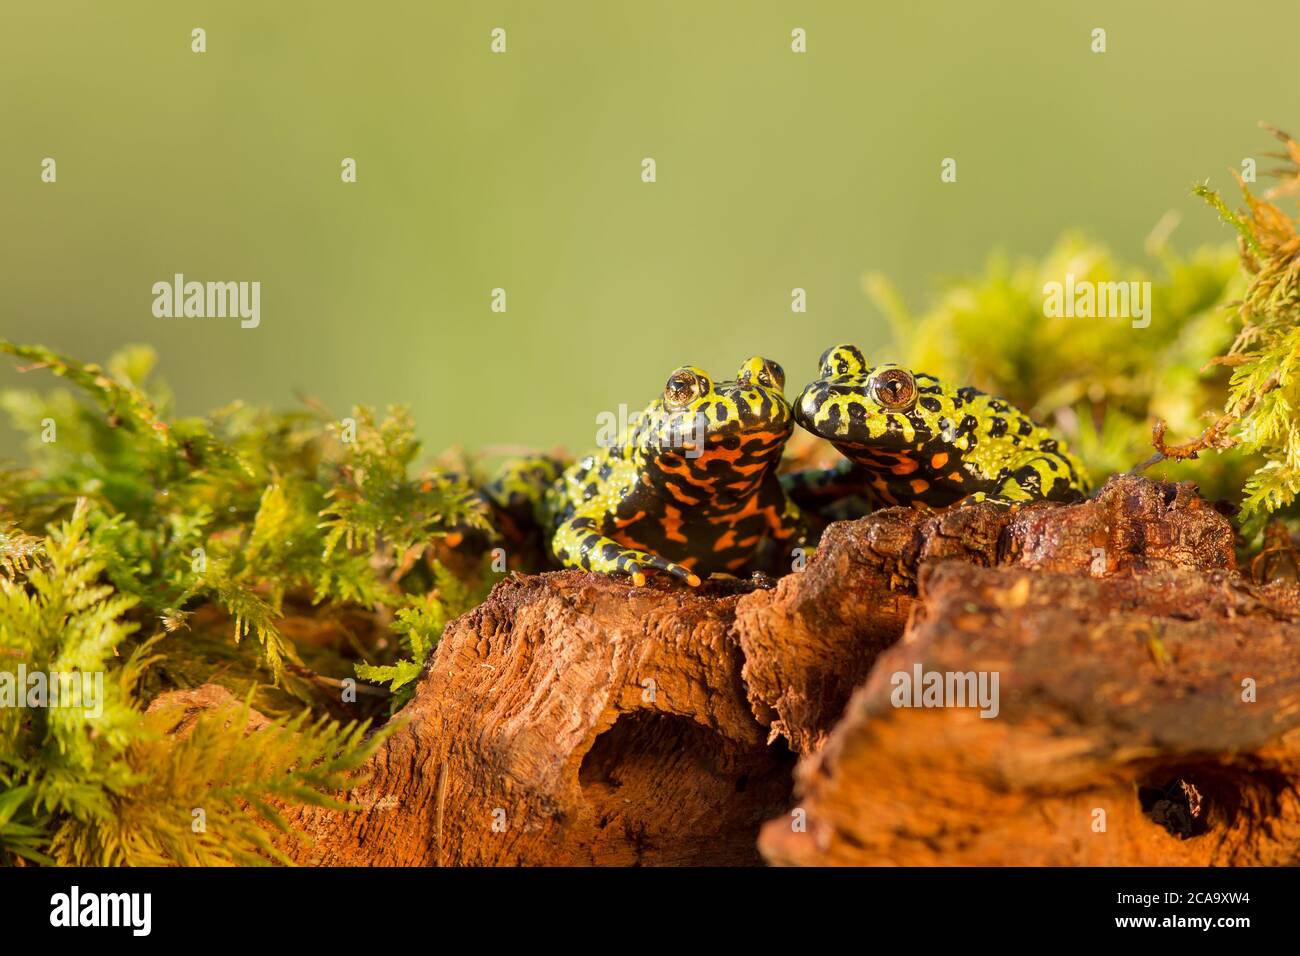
x=1114, y=694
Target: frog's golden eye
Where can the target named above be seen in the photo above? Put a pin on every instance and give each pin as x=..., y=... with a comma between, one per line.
x=684, y=386
x=894, y=388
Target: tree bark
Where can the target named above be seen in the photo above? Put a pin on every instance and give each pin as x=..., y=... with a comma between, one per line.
x=1126, y=732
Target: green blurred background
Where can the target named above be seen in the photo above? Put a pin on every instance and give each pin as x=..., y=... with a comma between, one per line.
x=522, y=170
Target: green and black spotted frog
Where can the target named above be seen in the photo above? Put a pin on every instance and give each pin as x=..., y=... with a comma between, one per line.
x=692, y=490
x=911, y=439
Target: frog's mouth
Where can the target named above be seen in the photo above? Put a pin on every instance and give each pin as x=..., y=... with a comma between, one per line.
x=843, y=415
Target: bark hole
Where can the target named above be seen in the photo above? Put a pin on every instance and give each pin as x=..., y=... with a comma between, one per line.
x=671, y=791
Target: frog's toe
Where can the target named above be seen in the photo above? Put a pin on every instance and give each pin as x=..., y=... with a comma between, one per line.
x=676, y=570
x=981, y=497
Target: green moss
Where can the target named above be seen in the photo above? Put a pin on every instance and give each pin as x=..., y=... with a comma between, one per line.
x=163, y=553
x=1259, y=414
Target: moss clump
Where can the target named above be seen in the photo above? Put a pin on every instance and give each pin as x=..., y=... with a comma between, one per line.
x=1259, y=414
x=163, y=553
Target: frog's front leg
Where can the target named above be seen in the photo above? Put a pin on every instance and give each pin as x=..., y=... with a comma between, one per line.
x=1036, y=476
x=580, y=543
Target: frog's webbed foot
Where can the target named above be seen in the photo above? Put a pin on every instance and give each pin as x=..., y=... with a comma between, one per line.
x=577, y=544
x=638, y=562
